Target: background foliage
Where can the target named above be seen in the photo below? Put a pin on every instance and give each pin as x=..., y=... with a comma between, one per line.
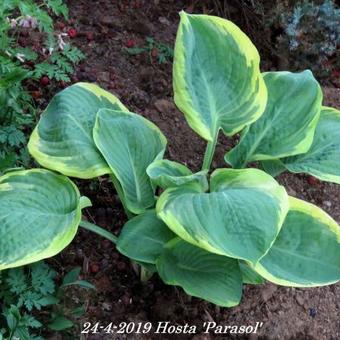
x=33, y=52
x=24, y=291
x=292, y=34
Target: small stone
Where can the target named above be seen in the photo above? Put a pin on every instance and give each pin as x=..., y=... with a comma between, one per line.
x=327, y=204
x=107, y=306
x=164, y=21
x=300, y=300
x=164, y=105
x=312, y=312
x=103, y=76
x=291, y=191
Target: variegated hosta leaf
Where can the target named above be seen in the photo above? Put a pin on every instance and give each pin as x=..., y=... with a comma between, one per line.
x=287, y=125
x=273, y=167
x=306, y=252
x=39, y=216
x=211, y=277
x=217, y=80
x=62, y=140
x=249, y=275
x=166, y=174
x=323, y=158
x=239, y=218
x=143, y=237
x=129, y=144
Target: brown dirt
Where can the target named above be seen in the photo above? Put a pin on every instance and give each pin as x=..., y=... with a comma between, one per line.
x=145, y=87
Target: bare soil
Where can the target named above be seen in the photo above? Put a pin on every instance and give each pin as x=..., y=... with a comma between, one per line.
x=104, y=28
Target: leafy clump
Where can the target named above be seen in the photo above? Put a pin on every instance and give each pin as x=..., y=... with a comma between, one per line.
x=311, y=35
x=294, y=34
x=32, y=54
x=59, y=65
x=17, y=114
x=209, y=233
x=161, y=52
x=27, y=291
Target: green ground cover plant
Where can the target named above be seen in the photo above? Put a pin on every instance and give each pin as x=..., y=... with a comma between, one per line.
x=294, y=34
x=306, y=42
x=27, y=291
x=32, y=52
x=161, y=52
x=207, y=233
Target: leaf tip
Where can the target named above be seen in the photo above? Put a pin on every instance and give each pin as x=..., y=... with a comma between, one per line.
x=84, y=202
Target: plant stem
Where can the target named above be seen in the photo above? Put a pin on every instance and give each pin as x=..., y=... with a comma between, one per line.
x=98, y=230
x=144, y=274
x=209, y=153
x=120, y=193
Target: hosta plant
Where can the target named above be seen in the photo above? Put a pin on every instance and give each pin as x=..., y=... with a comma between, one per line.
x=207, y=233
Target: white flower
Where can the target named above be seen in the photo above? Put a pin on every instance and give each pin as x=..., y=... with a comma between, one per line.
x=20, y=57
x=34, y=22
x=50, y=50
x=28, y=22
x=13, y=22
x=61, y=42
x=24, y=23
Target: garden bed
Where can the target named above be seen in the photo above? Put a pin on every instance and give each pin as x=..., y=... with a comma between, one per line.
x=145, y=87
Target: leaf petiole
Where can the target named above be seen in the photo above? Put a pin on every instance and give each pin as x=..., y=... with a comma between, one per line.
x=98, y=230
x=120, y=193
x=209, y=153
